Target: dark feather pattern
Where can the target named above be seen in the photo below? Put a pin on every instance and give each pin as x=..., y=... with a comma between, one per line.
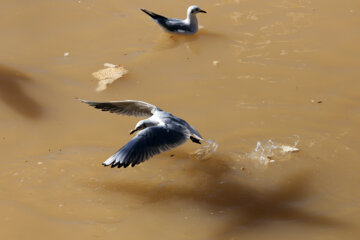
x=154, y=15
x=145, y=144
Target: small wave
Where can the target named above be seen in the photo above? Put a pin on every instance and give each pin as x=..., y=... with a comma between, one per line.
x=205, y=151
x=269, y=151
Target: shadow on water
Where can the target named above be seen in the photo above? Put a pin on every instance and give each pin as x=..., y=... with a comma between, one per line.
x=237, y=204
x=13, y=94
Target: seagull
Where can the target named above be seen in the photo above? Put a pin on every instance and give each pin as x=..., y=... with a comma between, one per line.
x=172, y=25
x=160, y=132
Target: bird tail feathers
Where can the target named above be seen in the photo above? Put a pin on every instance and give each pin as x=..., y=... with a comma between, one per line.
x=153, y=15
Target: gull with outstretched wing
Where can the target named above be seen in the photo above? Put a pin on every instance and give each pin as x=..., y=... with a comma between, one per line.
x=160, y=132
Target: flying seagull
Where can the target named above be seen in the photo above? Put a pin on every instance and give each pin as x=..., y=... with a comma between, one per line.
x=160, y=132
x=172, y=25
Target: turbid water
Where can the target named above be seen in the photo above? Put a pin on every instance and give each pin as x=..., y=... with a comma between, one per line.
x=281, y=70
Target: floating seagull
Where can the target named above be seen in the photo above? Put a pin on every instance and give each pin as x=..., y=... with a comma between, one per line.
x=160, y=132
x=172, y=25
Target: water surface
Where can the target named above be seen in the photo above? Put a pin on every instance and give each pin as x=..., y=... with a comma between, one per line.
x=283, y=68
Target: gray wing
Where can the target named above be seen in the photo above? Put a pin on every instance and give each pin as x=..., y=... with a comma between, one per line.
x=145, y=144
x=182, y=122
x=171, y=24
x=174, y=25
x=127, y=107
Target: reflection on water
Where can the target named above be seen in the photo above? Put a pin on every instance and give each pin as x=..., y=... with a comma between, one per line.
x=167, y=41
x=12, y=92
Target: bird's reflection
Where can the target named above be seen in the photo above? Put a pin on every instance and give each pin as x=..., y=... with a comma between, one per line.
x=12, y=93
x=167, y=41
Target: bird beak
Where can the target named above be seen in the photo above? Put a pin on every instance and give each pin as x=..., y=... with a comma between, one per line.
x=202, y=11
x=137, y=129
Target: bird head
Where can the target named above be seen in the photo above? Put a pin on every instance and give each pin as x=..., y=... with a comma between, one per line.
x=144, y=124
x=195, y=9
x=139, y=126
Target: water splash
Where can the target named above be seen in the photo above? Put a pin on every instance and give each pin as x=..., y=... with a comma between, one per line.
x=205, y=151
x=268, y=151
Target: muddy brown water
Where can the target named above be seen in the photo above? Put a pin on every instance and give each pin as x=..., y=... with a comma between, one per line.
x=283, y=68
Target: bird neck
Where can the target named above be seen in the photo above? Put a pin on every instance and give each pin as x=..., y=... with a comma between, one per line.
x=148, y=123
x=191, y=19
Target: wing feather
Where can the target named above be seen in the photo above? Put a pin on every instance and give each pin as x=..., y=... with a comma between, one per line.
x=145, y=144
x=126, y=107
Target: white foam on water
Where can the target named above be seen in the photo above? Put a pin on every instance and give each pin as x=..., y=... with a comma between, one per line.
x=269, y=151
x=205, y=151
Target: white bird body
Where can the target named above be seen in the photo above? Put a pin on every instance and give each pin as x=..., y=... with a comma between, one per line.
x=187, y=26
x=160, y=132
